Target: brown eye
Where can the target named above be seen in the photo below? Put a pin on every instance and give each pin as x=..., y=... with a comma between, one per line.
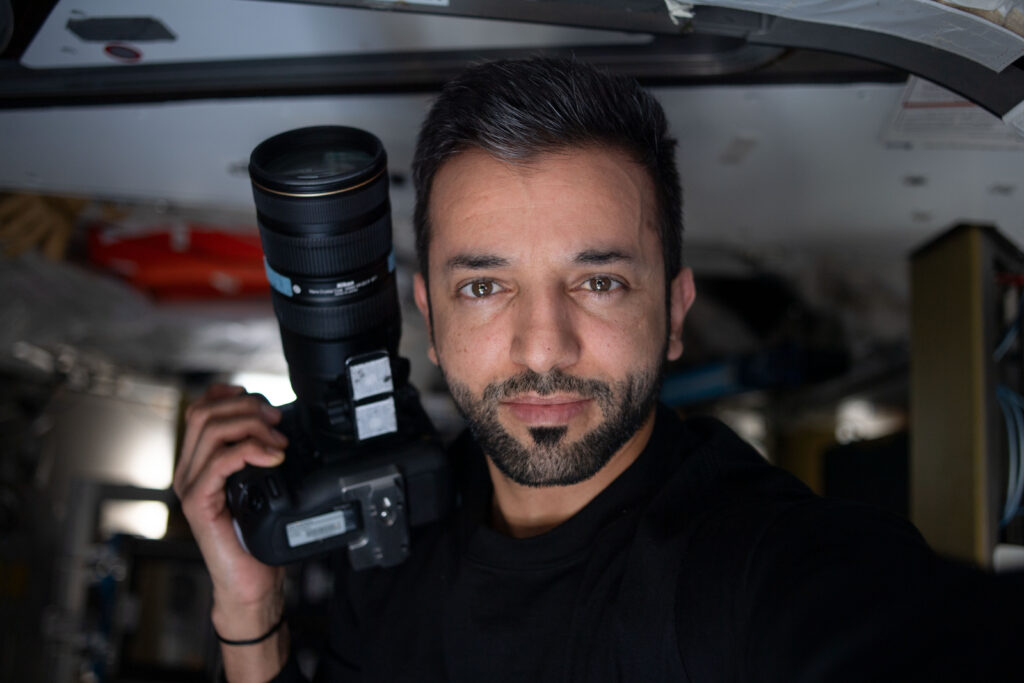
x=479, y=289
x=602, y=283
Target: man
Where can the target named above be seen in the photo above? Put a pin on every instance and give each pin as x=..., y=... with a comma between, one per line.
x=599, y=538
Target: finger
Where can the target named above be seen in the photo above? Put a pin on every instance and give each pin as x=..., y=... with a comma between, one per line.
x=216, y=392
x=219, y=432
x=239, y=406
x=220, y=401
x=194, y=421
x=206, y=493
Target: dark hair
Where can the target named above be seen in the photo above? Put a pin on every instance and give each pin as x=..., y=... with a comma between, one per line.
x=515, y=110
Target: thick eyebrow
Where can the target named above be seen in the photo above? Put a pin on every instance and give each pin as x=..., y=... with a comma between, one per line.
x=600, y=257
x=588, y=257
x=476, y=261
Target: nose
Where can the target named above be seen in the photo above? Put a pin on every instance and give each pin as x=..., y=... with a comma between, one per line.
x=545, y=337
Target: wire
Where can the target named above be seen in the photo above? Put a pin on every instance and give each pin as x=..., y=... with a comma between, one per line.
x=1011, y=334
x=1012, y=405
x=1013, y=442
x=1013, y=504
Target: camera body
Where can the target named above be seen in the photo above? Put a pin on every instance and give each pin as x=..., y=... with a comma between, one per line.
x=363, y=496
x=364, y=464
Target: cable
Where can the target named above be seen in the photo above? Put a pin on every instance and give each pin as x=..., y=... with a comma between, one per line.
x=1014, y=504
x=1014, y=483
x=1011, y=440
x=1014, y=330
x=1012, y=405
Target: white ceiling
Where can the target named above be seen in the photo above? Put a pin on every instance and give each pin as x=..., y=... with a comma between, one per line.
x=829, y=185
x=766, y=166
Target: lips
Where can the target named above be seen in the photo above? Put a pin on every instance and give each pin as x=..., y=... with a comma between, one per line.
x=545, y=410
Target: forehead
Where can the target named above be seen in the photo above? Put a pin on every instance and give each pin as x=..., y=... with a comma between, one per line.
x=589, y=198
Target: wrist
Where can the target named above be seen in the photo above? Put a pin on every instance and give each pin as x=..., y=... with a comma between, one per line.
x=257, y=638
x=261, y=661
x=240, y=621
x=251, y=641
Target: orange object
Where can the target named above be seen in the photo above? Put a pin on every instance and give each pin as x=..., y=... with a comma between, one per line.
x=182, y=260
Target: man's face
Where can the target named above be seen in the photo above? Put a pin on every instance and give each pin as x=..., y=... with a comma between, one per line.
x=547, y=297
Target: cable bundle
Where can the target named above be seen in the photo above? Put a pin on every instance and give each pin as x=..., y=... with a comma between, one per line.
x=1012, y=405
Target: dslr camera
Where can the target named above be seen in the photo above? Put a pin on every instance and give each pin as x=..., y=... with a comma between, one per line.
x=364, y=463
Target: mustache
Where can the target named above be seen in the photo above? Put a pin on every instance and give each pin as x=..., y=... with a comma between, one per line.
x=544, y=385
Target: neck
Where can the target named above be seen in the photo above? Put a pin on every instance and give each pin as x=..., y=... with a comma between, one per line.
x=523, y=511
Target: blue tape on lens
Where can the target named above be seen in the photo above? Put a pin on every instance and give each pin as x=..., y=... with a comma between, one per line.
x=279, y=282
x=391, y=261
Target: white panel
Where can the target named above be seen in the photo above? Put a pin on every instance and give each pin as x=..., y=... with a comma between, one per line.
x=816, y=174
x=240, y=29
x=765, y=165
x=922, y=21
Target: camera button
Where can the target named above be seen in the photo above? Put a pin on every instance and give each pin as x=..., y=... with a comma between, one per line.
x=275, y=492
x=256, y=500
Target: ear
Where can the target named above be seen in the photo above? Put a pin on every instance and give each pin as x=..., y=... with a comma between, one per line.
x=419, y=292
x=681, y=295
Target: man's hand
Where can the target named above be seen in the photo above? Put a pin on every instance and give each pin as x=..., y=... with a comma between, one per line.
x=225, y=430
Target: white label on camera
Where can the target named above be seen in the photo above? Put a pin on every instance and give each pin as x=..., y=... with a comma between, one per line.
x=371, y=378
x=316, y=528
x=374, y=419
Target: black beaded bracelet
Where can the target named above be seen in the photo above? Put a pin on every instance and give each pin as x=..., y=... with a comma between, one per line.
x=252, y=641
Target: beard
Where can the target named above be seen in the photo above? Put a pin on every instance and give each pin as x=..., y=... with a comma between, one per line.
x=550, y=460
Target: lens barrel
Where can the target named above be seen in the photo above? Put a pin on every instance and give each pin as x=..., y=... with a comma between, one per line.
x=324, y=217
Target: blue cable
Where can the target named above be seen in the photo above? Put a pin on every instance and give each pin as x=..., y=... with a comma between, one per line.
x=1015, y=403
x=1012, y=405
x=1007, y=341
x=1012, y=443
x=1013, y=508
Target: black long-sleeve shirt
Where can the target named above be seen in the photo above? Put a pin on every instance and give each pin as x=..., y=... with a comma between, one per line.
x=701, y=562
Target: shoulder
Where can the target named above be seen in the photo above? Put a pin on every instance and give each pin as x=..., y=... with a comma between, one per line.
x=727, y=495
x=704, y=470
x=762, y=564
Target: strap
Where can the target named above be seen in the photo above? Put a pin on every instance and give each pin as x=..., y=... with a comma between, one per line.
x=252, y=641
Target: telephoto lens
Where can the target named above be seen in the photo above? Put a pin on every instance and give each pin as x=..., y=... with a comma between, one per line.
x=322, y=206
x=364, y=463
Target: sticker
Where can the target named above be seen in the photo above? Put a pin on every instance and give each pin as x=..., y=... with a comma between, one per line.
x=374, y=419
x=371, y=378
x=279, y=282
x=318, y=528
x=929, y=114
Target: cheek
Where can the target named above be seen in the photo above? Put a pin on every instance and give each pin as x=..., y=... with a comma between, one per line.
x=467, y=351
x=628, y=339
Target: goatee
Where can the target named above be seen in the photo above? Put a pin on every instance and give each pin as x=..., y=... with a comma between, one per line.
x=550, y=460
